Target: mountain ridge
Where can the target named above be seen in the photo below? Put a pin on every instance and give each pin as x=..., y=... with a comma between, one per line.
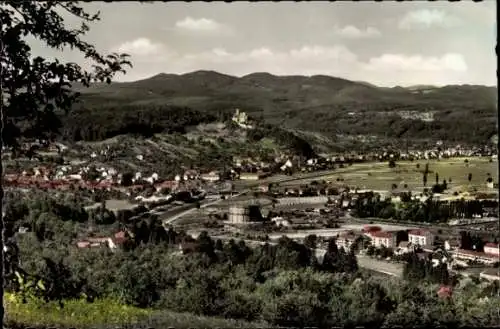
x=316, y=103
x=206, y=72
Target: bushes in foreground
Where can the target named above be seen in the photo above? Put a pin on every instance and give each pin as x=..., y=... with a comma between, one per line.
x=283, y=284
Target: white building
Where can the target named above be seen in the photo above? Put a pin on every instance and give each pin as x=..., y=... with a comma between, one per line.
x=250, y=176
x=190, y=175
x=241, y=118
x=346, y=240
x=451, y=245
x=280, y=221
x=492, y=249
x=312, y=161
x=75, y=177
x=404, y=247
x=211, y=177
x=386, y=239
x=423, y=238
x=97, y=242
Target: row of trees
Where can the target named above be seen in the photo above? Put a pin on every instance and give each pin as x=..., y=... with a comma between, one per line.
x=35, y=90
x=470, y=241
x=417, y=269
x=431, y=210
x=282, y=137
x=103, y=122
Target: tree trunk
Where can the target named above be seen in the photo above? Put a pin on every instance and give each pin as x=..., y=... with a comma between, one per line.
x=2, y=243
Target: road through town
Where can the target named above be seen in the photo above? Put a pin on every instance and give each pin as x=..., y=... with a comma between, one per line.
x=172, y=219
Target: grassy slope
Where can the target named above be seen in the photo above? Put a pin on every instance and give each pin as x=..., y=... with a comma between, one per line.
x=200, y=142
x=105, y=313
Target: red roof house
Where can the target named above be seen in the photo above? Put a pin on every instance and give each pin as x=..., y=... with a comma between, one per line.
x=380, y=238
x=445, y=291
x=419, y=232
x=381, y=234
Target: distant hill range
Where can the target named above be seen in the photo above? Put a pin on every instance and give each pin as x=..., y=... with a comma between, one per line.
x=322, y=104
x=421, y=87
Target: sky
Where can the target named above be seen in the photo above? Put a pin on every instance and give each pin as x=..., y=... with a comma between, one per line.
x=384, y=43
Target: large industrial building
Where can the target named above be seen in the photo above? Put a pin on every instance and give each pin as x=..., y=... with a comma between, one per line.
x=239, y=214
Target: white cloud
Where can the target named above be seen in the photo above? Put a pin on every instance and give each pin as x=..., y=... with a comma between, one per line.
x=201, y=25
x=141, y=47
x=394, y=62
x=303, y=60
x=427, y=18
x=352, y=32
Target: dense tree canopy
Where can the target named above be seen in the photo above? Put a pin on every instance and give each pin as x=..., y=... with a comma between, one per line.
x=109, y=121
x=432, y=211
x=283, y=284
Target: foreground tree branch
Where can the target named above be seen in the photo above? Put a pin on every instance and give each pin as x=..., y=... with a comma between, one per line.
x=34, y=90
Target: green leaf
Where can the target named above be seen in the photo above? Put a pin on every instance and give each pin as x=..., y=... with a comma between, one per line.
x=19, y=278
x=40, y=285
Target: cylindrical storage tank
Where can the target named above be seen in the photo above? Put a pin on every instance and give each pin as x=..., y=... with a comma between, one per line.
x=238, y=214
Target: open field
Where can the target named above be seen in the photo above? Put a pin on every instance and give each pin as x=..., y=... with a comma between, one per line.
x=380, y=266
x=378, y=175
x=114, y=205
x=301, y=178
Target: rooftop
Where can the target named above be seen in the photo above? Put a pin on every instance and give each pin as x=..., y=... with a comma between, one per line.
x=350, y=235
x=445, y=291
x=419, y=232
x=380, y=234
x=371, y=228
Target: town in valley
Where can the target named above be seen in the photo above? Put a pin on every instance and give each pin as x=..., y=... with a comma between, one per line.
x=290, y=173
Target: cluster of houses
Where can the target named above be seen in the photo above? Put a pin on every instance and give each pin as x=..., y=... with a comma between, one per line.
x=66, y=177
x=112, y=242
x=243, y=168
x=251, y=169
x=423, y=240
x=449, y=152
x=324, y=161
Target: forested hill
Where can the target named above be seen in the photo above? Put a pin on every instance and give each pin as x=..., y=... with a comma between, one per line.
x=324, y=104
